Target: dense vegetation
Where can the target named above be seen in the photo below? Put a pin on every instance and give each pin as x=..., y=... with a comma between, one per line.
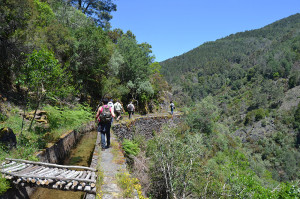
x=240, y=134
x=92, y=60
x=62, y=57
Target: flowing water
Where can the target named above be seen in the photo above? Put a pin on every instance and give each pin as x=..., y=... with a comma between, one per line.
x=81, y=155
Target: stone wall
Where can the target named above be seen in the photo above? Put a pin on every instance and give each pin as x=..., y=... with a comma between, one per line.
x=145, y=126
x=53, y=154
x=61, y=149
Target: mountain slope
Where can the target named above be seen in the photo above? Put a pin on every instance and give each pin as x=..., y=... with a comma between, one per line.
x=253, y=78
x=273, y=51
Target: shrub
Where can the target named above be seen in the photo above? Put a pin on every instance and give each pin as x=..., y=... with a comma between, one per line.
x=129, y=184
x=260, y=114
x=4, y=185
x=297, y=117
x=3, y=117
x=255, y=115
x=64, y=116
x=202, y=116
x=130, y=147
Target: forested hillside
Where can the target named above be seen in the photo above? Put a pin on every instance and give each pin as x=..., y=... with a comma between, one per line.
x=271, y=52
x=241, y=136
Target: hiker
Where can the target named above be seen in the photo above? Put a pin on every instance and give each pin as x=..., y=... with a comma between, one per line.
x=111, y=105
x=104, y=117
x=130, y=109
x=172, y=106
x=118, y=108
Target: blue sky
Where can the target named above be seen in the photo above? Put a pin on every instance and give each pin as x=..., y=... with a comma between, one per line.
x=174, y=27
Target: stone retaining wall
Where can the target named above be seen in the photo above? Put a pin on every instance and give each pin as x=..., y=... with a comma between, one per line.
x=53, y=154
x=145, y=126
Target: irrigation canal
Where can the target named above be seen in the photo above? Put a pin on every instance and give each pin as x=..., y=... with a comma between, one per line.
x=81, y=156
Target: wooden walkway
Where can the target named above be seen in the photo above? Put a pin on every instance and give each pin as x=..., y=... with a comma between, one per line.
x=53, y=176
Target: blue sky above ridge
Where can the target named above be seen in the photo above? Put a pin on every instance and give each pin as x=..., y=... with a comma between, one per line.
x=174, y=27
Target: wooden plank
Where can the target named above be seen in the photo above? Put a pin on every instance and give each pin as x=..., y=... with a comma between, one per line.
x=73, y=175
x=46, y=173
x=16, y=168
x=80, y=174
x=59, y=171
x=39, y=168
x=29, y=168
x=88, y=175
x=12, y=167
x=50, y=177
x=70, y=174
x=5, y=165
x=42, y=171
x=64, y=174
x=52, y=165
x=83, y=175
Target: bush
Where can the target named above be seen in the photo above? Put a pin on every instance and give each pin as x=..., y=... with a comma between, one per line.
x=255, y=115
x=3, y=117
x=260, y=114
x=64, y=116
x=294, y=79
x=297, y=117
x=202, y=116
x=4, y=185
x=130, y=147
x=129, y=184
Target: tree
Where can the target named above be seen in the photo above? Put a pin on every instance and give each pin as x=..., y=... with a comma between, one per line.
x=89, y=62
x=43, y=76
x=14, y=15
x=99, y=10
x=136, y=70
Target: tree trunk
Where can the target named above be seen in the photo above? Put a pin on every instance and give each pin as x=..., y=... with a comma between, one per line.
x=25, y=107
x=39, y=99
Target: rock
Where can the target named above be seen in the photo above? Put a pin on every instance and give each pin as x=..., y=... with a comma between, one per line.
x=291, y=99
x=40, y=116
x=8, y=138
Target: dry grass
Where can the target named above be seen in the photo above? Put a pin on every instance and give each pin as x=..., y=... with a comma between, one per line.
x=141, y=171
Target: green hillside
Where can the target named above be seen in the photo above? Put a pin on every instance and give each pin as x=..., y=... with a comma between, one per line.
x=272, y=51
x=240, y=137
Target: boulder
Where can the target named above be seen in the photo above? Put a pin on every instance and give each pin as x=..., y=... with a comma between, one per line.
x=8, y=138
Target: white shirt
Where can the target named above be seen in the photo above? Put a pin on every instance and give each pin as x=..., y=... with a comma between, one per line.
x=111, y=105
x=118, y=106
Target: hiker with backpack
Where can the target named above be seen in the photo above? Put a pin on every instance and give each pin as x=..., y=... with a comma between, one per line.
x=118, y=109
x=130, y=109
x=104, y=117
x=111, y=105
x=172, y=106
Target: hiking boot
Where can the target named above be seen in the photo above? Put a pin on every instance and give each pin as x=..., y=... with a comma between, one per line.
x=107, y=147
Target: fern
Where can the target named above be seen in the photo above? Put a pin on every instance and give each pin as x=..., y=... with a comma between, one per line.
x=130, y=147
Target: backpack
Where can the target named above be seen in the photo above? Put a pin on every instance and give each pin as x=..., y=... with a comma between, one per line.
x=105, y=116
x=172, y=106
x=130, y=107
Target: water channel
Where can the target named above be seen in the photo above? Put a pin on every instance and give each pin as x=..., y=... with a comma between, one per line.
x=80, y=155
